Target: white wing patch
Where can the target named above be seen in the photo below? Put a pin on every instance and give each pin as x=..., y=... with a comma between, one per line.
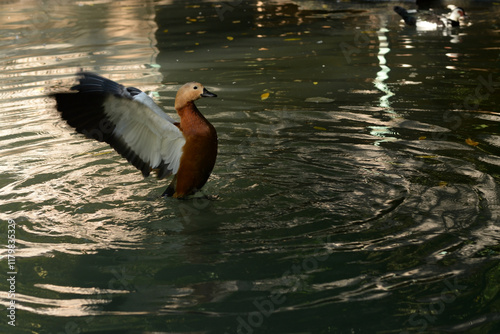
x=152, y=136
x=150, y=103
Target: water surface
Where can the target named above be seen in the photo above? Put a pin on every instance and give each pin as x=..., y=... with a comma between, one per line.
x=356, y=188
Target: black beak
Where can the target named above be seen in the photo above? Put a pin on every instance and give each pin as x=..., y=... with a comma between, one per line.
x=206, y=93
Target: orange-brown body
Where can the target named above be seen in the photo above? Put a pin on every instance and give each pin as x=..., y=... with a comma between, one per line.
x=199, y=151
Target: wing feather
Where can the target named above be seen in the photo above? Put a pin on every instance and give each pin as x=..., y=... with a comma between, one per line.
x=125, y=118
x=150, y=136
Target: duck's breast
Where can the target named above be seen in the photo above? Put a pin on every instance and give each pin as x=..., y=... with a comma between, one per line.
x=198, y=156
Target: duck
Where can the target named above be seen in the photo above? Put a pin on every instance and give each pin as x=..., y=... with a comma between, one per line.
x=427, y=19
x=138, y=129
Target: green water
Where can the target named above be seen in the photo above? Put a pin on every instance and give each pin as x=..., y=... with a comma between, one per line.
x=356, y=188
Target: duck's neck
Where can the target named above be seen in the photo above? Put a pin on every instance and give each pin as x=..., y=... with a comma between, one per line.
x=181, y=104
x=186, y=109
x=192, y=121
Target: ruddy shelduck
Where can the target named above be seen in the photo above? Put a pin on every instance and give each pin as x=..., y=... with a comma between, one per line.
x=140, y=131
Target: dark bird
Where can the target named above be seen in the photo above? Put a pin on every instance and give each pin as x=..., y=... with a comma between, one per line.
x=429, y=19
x=140, y=131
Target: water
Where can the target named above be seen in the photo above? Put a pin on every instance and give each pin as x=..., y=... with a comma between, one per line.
x=360, y=196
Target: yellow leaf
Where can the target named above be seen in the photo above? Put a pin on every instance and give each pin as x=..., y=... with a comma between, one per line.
x=230, y=38
x=165, y=31
x=320, y=128
x=443, y=183
x=471, y=142
x=292, y=39
x=315, y=82
x=422, y=138
x=264, y=96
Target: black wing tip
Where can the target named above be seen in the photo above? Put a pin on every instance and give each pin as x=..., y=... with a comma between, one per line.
x=170, y=191
x=90, y=82
x=133, y=91
x=163, y=170
x=86, y=76
x=93, y=83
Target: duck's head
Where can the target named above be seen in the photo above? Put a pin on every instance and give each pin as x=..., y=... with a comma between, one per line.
x=191, y=92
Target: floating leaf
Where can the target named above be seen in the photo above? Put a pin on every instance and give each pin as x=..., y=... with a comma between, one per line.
x=320, y=128
x=471, y=142
x=230, y=38
x=165, y=31
x=40, y=271
x=443, y=183
x=422, y=138
x=292, y=39
x=315, y=82
x=264, y=96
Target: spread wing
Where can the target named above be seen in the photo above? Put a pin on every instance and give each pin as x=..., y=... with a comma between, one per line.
x=127, y=119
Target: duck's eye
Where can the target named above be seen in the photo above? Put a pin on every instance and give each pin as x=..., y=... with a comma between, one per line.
x=195, y=87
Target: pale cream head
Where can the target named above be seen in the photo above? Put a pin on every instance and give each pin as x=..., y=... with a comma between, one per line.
x=190, y=92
